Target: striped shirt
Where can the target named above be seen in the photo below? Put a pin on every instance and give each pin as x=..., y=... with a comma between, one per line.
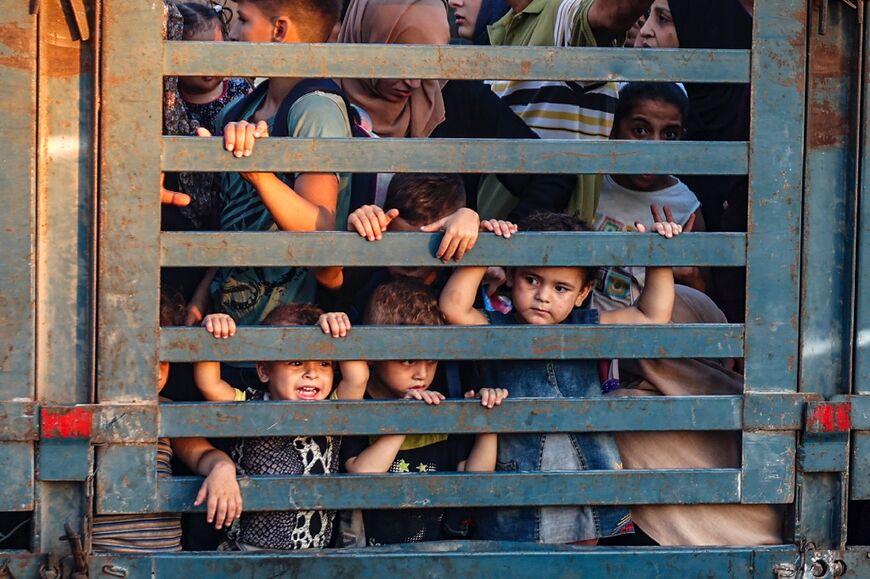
x=144, y=533
x=553, y=109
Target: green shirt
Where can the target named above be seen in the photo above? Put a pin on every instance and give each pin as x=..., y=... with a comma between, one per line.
x=248, y=294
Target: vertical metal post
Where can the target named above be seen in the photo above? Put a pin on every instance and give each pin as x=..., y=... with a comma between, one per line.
x=827, y=268
x=773, y=251
x=66, y=210
x=17, y=234
x=129, y=233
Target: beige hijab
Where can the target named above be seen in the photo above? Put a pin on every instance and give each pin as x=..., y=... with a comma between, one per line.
x=397, y=22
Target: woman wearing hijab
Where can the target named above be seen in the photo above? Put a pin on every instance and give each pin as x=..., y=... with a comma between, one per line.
x=430, y=108
x=474, y=16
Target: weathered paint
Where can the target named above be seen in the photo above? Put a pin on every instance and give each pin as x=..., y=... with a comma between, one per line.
x=829, y=417
x=349, y=249
x=65, y=422
x=456, y=343
x=215, y=420
x=452, y=62
x=458, y=156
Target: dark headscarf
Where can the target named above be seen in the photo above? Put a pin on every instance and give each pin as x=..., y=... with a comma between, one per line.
x=491, y=11
x=717, y=24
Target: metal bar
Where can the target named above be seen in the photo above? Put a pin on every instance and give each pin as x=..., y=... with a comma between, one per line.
x=396, y=491
x=860, y=412
x=129, y=230
x=18, y=422
x=452, y=62
x=417, y=249
x=859, y=472
x=707, y=413
x=16, y=493
x=459, y=156
x=456, y=343
x=778, y=100
x=861, y=383
x=466, y=559
x=17, y=188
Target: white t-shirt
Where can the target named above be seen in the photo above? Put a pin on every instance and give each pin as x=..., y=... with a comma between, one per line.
x=618, y=210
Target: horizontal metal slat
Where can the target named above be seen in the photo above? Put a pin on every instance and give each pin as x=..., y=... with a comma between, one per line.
x=275, y=418
x=397, y=491
x=321, y=248
x=452, y=62
x=457, y=343
x=469, y=559
x=18, y=421
x=561, y=156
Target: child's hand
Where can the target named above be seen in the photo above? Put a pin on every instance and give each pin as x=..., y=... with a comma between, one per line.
x=220, y=325
x=499, y=227
x=224, y=497
x=461, y=229
x=495, y=278
x=370, y=221
x=427, y=396
x=239, y=137
x=489, y=397
x=335, y=323
x=667, y=228
x=168, y=197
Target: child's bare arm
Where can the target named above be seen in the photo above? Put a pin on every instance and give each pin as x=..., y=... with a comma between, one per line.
x=378, y=457
x=457, y=297
x=354, y=373
x=207, y=375
x=483, y=454
x=220, y=487
x=198, y=305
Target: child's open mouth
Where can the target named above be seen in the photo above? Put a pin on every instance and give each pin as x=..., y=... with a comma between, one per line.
x=307, y=392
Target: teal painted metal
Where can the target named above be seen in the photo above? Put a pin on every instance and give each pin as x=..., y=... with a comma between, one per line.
x=323, y=248
x=216, y=420
x=459, y=156
x=17, y=460
x=452, y=343
x=452, y=62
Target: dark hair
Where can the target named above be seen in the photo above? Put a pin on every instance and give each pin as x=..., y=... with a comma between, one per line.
x=317, y=17
x=555, y=222
x=293, y=315
x=403, y=302
x=422, y=198
x=172, y=308
x=201, y=18
x=635, y=92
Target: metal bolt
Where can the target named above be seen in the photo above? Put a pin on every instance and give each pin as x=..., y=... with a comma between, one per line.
x=784, y=570
x=820, y=568
x=838, y=568
x=114, y=571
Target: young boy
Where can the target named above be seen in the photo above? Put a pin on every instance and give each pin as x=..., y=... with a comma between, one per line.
x=267, y=201
x=553, y=295
x=300, y=381
x=407, y=302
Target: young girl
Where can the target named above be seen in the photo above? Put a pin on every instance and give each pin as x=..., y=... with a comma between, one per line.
x=153, y=532
x=300, y=381
x=554, y=295
x=646, y=112
x=206, y=96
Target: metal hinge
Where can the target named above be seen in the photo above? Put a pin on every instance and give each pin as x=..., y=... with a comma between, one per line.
x=79, y=557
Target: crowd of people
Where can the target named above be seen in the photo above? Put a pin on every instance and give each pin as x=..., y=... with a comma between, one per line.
x=461, y=208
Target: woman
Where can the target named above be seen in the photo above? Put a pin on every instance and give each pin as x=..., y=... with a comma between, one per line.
x=431, y=108
x=474, y=16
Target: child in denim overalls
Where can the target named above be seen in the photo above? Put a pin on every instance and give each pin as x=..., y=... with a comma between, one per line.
x=553, y=295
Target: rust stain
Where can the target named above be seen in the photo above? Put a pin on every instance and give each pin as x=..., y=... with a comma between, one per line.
x=19, y=40
x=826, y=126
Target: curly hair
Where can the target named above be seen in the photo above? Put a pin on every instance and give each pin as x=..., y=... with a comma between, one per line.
x=403, y=302
x=293, y=315
x=560, y=222
x=172, y=308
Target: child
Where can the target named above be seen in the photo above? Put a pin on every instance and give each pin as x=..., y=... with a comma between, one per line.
x=152, y=532
x=553, y=295
x=414, y=202
x=406, y=302
x=300, y=381
x=267, y=201
x=206, y=96
x=649, y=112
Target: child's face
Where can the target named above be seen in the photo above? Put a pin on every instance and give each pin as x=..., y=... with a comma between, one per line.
x=401, y=376
x=659, y=30
x=162, y=376
x=251, y=25
x=425, y=275
x=650, y=120
x=546, y=295
x=202, y=84
x=295, y=380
